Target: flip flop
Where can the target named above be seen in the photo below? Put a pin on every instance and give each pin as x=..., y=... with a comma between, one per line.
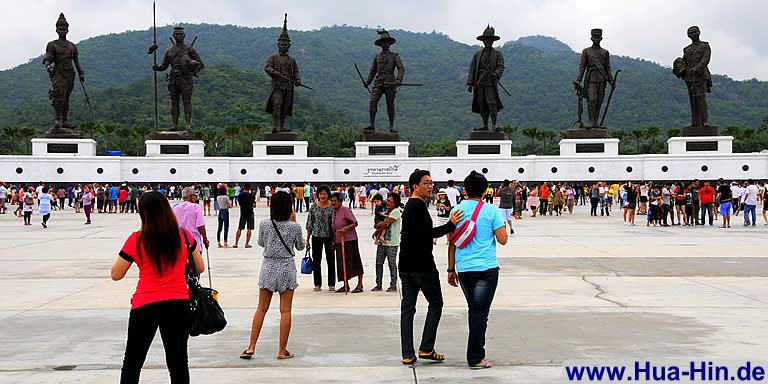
x=432, y=356
x=409, y=361
x=248, y=246
x=357, y=290
x=481, y=365
x=246, y=355
x=286, y=356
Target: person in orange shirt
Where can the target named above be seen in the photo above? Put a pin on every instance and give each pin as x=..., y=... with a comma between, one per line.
x=543, y=199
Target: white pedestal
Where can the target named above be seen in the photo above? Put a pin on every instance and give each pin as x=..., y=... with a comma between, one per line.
x=284, y=149
x=691, y=145
x=484, y=148
x=589, y=147
x=175, y=148
x=381, y=148
x=63, y=147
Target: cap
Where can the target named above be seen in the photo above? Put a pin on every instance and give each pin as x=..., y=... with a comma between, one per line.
x=442, y=190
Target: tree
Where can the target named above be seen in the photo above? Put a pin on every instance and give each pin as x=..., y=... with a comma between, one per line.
x=12, y=135
x=532, y=134
x=90, y=127
x=232, y=132
x=252, y=130
x=26, y=134
x=508, y=131
x=107, y=131
x=732, y=130
x=546, y=136
x=673, y=132
x=638, y=135
x=142, y=134
x=125, y=137
x=652, y=133
x=621, y=135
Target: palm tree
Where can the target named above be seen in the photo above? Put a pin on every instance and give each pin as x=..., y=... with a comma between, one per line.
x=546, y=137
x=12, y=135
x=124, y=136
x=732, y=130
x=508, y=131
x=107, y=131
x=621, y=135
x=27, y=133
x=212, y=139
x=652, y=133
x=673, y=132
x=231, y=132
x=142, y=133
x=252, y=130
x=88, y=126
x=532, y=134
x=638, y=135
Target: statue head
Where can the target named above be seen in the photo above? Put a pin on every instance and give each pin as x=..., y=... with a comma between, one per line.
x=694, y=33
x=385, y=40
x=597, y=36
x=488, y=36
x=178, y=34
x=62, y=26
x=284, y=41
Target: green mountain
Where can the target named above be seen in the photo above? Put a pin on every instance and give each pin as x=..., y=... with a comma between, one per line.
x=231, y=91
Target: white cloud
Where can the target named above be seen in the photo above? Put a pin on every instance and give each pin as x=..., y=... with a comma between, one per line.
x=651, y=29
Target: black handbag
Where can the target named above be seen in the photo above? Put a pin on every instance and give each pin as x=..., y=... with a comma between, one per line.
x=207, y=317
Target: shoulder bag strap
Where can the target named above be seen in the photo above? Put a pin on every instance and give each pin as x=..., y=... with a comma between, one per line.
x=477, y=210
x=279, y=236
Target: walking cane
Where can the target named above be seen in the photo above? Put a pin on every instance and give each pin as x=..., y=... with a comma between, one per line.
x=344, y=265
x=208, y=261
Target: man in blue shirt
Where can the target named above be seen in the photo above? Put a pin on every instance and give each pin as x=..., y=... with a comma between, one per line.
x=477, y=265
x=113, y=192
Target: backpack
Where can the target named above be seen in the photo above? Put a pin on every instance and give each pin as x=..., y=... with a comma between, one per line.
x=462, y=235
x=28, y=199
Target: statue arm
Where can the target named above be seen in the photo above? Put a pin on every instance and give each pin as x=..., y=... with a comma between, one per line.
x=372, y=72
x=608, y=70
x=196, y=56
x=50, y=53
x=472, y=71
x=166, y=62
x=499, y=66
x=582, y=67
x=269, y=68
x=400, y=68
x=704, y=62
x=296, y=74
x=76, y=59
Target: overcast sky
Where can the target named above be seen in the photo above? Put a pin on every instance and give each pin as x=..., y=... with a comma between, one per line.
x=649, y=29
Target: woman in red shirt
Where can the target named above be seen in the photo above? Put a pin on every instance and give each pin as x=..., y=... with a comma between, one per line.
x=122, y=198
x=162, y=298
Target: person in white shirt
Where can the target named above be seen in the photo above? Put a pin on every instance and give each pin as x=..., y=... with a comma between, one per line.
x=750, y=203
x=643, y=199
x=362, y=196
x=736, y=193
x=384, y=192
x=452, y=193
x=3, y=196
x=268, y=193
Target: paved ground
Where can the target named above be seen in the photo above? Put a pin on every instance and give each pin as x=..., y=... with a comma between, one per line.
x=571, y=288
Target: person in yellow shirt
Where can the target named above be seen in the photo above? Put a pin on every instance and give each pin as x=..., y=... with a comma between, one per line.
x=299, y=193
x=613, y=193
x=489, y=195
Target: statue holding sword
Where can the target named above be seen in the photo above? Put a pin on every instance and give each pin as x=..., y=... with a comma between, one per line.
x=485, y=72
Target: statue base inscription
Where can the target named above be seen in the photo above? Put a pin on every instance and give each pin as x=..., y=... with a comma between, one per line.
x=692, y=145
x=175, y=148
x=286, y=149
x=484, y=148
x=381, y=149
x=63, y=147
x=589, y=147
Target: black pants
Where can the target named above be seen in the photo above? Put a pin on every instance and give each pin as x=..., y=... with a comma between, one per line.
x=172, y=317
x=46, y=217
x=543, y=206
x=594, y=201
x=27, y=217
x=318, y=243
x=479, y=289
x=61, y=204
x=429, y=284
x=223, y=220
x=666, y=211
x=132, y=205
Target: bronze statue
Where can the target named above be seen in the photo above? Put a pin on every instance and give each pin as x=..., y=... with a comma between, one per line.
x=485, y=71
x=185, y=65
x=595, y=72
x=59, y=57
x=284, y=72
x=692, y=68
x=386, y=83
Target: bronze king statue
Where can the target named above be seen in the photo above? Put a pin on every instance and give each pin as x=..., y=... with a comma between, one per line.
x=59, y=57
x=185, y=65
x=693, y=69
x=284, y=72
x=594, y=74
x=485, y=71
x=385, y=83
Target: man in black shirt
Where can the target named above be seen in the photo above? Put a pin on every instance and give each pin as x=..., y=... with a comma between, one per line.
x=417, y=268
x=724, y=197
x=247, y=201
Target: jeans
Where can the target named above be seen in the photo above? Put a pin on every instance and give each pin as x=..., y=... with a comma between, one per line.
x=479, y=289
x=543, y=206
x=172, y=317
x=87, y=209
x=223, y=224
x=299, y=204
x=429, y=284
x=706, y=209
x=318, y=243
x=750, y=211
x=389, y=253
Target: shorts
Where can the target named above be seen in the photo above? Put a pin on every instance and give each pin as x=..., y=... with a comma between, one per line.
x=725, y=208
x=245, y=221
x=643, y=199
x=679, y=202
x=506, y=213
x=631, y=206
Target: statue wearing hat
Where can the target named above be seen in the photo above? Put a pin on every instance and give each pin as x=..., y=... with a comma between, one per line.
x=693, y=68
x=185, y=65
x=485, y=71
x=595, y=72
x=385, y=83
x=59, y=57
x=284, y=72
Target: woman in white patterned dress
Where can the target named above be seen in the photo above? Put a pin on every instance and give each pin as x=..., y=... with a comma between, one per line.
x=279, y=235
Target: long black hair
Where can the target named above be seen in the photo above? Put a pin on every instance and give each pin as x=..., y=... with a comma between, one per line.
x=159, y=235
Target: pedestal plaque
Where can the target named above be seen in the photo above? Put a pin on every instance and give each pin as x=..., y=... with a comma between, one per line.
x=175, y=148
x=381, y=149
x=63, y=147
x=286, y=149
x=700, y=145
x=484, y=148
x=589, y=147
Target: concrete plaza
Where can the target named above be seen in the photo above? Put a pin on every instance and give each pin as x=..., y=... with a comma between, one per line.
x=571, y=288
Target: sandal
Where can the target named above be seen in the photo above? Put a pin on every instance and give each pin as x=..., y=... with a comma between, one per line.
x=285, y=356
x=248, y=246
x=342, y=290
x=246, y=355
x=234, y=246
x=317, y=289
x=410, y=361
x=357, y=290
x=481, y=365
x=431, y=356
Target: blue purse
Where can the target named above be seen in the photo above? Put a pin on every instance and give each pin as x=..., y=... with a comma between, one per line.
x=306, y=264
